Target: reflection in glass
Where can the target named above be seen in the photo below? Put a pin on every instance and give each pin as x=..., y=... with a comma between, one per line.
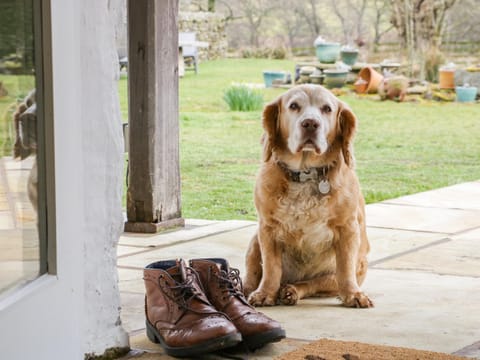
x=19, y=240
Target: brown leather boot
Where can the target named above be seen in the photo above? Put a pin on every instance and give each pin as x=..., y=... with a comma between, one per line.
x=179, y=315
x=223, y=288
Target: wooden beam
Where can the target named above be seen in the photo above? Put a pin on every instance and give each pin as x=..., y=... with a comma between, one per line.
x=153, y=194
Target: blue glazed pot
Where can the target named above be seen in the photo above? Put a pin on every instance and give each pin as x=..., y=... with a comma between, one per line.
x=466, y=93
x=327, y=52
x=269, y=76
x=349, y=57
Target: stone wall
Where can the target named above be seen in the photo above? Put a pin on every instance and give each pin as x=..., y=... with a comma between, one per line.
x=193, y=17
x=193, y=5
x=209, y=27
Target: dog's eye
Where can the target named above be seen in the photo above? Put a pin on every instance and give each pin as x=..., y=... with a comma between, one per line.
x=294, y=106
x=326, y=109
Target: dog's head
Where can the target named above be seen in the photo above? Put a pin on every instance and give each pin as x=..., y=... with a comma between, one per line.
x=308, y=118
x=25, y=123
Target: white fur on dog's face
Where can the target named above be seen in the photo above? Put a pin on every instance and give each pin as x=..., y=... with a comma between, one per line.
x=307, y=118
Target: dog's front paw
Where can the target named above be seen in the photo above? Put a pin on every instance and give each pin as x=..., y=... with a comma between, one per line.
x=261, y=298
x=288, y=295
x=357, y=300
x=248, y=289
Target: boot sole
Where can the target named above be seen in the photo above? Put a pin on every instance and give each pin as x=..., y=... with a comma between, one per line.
x=256, y=341
x=202, y=348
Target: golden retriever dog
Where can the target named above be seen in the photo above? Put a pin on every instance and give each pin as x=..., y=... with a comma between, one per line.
x=311, y=239
x=25, y=123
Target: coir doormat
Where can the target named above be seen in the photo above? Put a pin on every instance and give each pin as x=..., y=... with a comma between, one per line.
x=325, y=349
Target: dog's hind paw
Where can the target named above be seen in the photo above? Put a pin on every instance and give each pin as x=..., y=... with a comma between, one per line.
x=288, y=295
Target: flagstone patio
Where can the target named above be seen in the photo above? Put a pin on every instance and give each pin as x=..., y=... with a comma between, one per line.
x=424, y=277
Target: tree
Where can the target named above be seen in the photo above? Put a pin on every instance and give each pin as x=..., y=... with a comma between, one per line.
x=308, y=12
x=351, y=14
x=381, y=9
x=255, y=12
x=420, y=25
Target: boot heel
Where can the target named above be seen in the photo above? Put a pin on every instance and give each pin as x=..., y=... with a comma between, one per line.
x=151, y=333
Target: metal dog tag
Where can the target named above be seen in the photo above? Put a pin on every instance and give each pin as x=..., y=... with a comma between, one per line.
x=324, y=186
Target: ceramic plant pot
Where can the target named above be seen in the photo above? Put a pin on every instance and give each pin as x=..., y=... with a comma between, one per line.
x=372, y=77
x=269, y=76
x=446, y=79
x=446, y=76
x=360, y=86
x=466, y=93
x=349, y=57
x=335, y=78
x=327, y=52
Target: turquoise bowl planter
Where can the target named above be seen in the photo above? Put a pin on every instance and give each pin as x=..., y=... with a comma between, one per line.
x=349, y=57
x=327, y=52
x=466, y=93
x=269, y=76
x=335, y=78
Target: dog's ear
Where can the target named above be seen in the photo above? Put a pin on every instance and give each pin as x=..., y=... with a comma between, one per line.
x=347, y=125
x=271, y=127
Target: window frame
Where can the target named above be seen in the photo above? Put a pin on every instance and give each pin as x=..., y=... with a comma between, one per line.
x=45, y=136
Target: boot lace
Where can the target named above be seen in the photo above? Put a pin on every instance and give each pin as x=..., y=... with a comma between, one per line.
x=231, y=283
x=182, y=293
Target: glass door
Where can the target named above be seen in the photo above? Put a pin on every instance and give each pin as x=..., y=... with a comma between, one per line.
x=23, y=228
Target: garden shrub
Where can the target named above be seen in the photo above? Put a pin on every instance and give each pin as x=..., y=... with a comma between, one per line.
x=242, y=98
x=277, y=53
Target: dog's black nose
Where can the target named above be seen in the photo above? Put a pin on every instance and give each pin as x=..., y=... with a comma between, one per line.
x=310, y=124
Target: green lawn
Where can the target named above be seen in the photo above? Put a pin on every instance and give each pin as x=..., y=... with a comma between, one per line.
x=401, y=148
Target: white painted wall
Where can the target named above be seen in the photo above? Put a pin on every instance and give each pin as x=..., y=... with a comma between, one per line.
x=102, y=180
x=77, y=311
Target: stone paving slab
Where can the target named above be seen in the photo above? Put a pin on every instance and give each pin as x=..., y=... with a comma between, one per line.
x=231, y=245
x=461, y=196
x=133, y=311
x=143, y=349
x=177, y=236
x=387, y=243
x=417, y=218
x=459, y=255
x=412, y=309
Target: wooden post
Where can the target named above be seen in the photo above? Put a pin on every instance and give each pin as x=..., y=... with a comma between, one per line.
x=153, y=194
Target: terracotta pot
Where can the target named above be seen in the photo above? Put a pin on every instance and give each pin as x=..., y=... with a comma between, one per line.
x=372, y=77
x=360, y=86
x=446, y=79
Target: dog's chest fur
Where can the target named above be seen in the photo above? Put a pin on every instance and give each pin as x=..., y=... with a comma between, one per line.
x=303, y=214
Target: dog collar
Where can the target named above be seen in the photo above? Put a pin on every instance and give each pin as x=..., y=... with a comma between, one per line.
x=316, y=174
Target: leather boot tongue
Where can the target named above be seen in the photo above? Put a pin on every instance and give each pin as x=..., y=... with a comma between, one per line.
x=178, y=272
x=222, y=265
